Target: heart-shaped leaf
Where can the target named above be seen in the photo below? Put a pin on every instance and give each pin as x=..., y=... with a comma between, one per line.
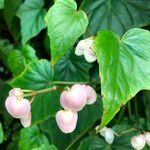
x=65, y=26
x=124, y=65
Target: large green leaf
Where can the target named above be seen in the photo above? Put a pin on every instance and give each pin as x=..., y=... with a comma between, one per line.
x=86, y=118
x=124, y=67
x=117, y=15
x=1, y=133
x=65, y=26
x=31, y=14
x=72, y=68
x=39, y=75
x=32, y=138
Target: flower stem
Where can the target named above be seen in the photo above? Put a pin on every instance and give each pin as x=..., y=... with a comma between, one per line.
x=68, y=83
x=34, y=93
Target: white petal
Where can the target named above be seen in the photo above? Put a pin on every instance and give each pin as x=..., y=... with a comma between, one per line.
x=89, y=55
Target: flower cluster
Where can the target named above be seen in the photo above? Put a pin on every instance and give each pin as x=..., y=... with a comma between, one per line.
x=85, y=47
x=139, y=142
x=73, y=100
x=18, y=107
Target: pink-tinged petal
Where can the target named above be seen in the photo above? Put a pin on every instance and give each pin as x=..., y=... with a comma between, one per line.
x=79, y=51
x=66, y=120
x=16, y=92
x=26, y=120
x=147, y=137
x=75, y=98
x=17, y=108
x=89, y=55
x=91, y=95
x=138, y=142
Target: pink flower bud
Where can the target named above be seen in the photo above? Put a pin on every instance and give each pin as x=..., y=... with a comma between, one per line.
x=91, y=95
x=147, y=137
x=66, y=120
x=138, y=142
x=75, y=98
x=17, y=108
x=16, y=92
x=26, y=120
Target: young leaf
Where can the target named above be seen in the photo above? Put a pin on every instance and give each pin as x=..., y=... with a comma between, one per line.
x=31, y=14
x=124, y=67
x=116, y=15
x=65, y=26
x=32, y=138
x=36, y=76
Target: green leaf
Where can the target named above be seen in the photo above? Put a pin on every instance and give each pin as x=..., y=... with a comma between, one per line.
x=5, y=48
x=32, y=138
x=93, y=143
x=116, y=15
x=18, y=59
x=29, y=53
x=86, y=118
x=46, y=147
x=39, y=75
x=16, y=62
x=65, y=26
x=32, y=15
x=1, y=4
x=72, y=68
x=124, y=67
x=1, y=133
